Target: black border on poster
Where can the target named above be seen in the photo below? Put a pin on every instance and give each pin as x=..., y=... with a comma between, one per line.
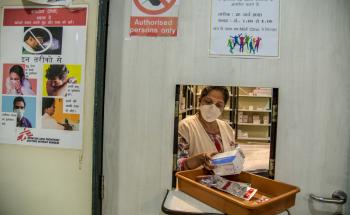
x=101, y=53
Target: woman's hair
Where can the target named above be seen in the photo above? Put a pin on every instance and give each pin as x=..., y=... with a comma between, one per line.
x=57, y=70
x=208, y=89
x=18, y=99
x=18, y=70
x=47, y=103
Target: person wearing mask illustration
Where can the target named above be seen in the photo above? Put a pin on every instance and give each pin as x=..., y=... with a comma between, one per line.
x=47, y=120
x=19, y=106
x=57, y=80
x=16, y=83
x=202, y=135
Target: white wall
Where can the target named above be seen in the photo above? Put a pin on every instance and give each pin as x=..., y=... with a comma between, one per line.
x=312, y=75
x=43, y=181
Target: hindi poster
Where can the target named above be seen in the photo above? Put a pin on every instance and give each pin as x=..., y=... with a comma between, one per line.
x=43, y=53
x=245, y=28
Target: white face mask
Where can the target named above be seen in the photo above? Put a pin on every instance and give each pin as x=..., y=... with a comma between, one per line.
x=209, y=112
x=20, y=113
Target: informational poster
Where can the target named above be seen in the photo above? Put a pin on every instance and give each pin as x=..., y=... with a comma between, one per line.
x=154, y=18
x=42, y=76
x=245, y=28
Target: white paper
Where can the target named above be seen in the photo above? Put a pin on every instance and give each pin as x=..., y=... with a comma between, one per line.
x=245, y=28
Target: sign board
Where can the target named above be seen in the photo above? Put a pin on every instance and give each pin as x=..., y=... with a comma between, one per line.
x=154, y=18
x=42, y=76
x=245, y=28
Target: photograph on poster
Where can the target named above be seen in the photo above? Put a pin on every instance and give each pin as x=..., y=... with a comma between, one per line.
x=15, y=82
x=24, y=107
x=219, y=118
x=57, y=77
x=42, y=40
x=53, y=116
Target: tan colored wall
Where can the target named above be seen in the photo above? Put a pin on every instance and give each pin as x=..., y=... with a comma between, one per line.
x=45, y=181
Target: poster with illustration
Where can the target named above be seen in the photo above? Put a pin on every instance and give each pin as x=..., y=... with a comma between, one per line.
x=43, y=66
x=245, y=28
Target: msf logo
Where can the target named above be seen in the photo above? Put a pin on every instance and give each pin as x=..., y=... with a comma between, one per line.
x=24, y=134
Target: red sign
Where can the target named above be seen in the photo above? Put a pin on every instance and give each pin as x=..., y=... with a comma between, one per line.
x=153, y=26
x=45, y=17
x=154, y=18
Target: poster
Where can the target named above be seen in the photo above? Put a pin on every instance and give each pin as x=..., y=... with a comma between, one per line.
x=245, y=28
x=154, y=18
x=42, y=76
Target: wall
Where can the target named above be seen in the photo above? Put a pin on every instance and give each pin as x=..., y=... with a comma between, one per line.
x=42, y=181
x=312, y=75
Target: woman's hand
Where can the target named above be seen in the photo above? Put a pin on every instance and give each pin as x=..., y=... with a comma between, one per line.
x=207, y=160
x=200, y=159
x=18, y=87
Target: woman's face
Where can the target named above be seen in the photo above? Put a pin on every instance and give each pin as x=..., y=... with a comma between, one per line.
x=215, y=97
x=14, y=76
x=50, y=110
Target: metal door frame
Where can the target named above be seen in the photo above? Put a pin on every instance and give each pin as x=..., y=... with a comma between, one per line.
x=97, y=166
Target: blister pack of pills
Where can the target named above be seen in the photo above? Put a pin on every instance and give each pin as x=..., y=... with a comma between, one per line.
x=238, y=189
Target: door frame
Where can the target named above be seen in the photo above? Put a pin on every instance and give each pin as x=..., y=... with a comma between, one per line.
x=101, y=55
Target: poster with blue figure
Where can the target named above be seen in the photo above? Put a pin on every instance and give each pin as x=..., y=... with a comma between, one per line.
x=24, y=107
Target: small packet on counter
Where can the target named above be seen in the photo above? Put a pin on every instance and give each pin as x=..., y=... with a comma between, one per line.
x=228, y=163
x=238, y=189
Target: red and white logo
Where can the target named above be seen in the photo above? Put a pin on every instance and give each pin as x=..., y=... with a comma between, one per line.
x=24, y=134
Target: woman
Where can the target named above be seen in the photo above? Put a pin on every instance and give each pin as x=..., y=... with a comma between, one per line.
x=203, y=134
x=57, y=80
x=16, y=83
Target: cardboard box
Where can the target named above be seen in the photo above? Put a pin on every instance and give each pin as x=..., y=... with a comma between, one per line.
x=228, y=163
x=245, y=118
x=256, y=119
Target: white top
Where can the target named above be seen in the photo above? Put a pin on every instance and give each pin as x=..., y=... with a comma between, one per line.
x=48, y=122
x=198, y=139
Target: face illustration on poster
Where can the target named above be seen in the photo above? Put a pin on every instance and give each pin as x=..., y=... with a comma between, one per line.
x=15, y=81
x=54, y=118
x=24, y=107
x=42, y=40
x=59, y=79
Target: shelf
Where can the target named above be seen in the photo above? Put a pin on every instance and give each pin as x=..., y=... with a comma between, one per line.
x=252, y=124
x=254, y=138
x=226, y=109
x=184, y=111
x=246, y=110
x=255, y=96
